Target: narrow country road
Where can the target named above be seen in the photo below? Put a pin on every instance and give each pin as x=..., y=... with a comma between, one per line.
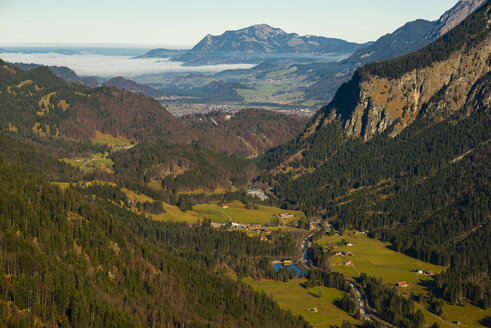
x=434, y=315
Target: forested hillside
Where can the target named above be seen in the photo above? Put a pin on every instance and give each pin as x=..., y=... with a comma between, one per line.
x=87, y=176
x=183, y=168
x=37, y=102
x=422, y=185
x=71, y=261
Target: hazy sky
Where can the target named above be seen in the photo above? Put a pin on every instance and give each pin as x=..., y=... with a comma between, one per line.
x=182, y=23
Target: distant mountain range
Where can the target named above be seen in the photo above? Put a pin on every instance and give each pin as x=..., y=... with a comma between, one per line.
x=257, y=43
x=262, y=42
x=413, y=35
x=63, y=72
x=310, y=58
x=125, y=84
x=406, y=39
x=403, y=150
x=162, y=53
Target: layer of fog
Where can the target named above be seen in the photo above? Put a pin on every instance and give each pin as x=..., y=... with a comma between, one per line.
x=110, y=66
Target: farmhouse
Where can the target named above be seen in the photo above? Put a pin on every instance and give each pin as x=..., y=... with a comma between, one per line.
x=237, y=225
x=347, y=263
x=124, y=147
x=402, y=284
x=283, y=215
x=345, y=253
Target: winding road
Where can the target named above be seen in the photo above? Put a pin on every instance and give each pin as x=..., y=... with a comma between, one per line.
x=365, y=313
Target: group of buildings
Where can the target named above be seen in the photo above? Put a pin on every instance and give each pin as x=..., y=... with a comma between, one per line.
x=253, y=229
x=283, y=215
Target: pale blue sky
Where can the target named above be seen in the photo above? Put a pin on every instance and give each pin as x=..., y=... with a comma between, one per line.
x=182, y=23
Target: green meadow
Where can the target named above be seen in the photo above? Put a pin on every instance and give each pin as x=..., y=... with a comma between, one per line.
x=292, y=296
x=237, y=212
x=376, y=259
x=90, y=164
x=107, y=139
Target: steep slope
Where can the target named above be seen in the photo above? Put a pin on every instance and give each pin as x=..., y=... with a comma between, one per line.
x=183, y=168
x=68, y=260
x=413, y=35
x=261, y=41
x=125, y=84
x=403, y=151
x=63, y=72
x=36, y=101
x=406, y=39
x=431, y=84
x=453, y=17
x=402, y=41
x=255, y=129
x=394, y=93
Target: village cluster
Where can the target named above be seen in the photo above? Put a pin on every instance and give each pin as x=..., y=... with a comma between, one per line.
x=253, y=229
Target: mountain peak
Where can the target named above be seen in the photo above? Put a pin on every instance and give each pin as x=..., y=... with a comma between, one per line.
x=266, y=29
x=453, y=17
x=254, y=43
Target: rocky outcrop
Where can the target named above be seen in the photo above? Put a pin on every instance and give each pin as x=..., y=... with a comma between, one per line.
x=453, y=17
x=368, y=105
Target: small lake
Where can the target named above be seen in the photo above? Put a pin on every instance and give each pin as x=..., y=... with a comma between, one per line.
x=292, y=267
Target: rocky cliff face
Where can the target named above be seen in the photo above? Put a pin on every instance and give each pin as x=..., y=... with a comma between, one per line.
x=370, y=104
x=453, y=17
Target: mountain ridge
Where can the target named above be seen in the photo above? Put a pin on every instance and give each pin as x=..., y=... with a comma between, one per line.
x=259, y=42
x=37, y=101
x=453, y=17
x=410, y=37
x=413, y=35
x=397, y=91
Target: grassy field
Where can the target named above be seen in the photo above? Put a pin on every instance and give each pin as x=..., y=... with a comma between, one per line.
x=269, y=92
x=216, y=191
x=292, y=296
x=62, y=185
x=239, y=214
x=236, y=212
x=172, y=213
x=468, y=315
x=107, y=139
x=373, y=257
x=90, y=164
